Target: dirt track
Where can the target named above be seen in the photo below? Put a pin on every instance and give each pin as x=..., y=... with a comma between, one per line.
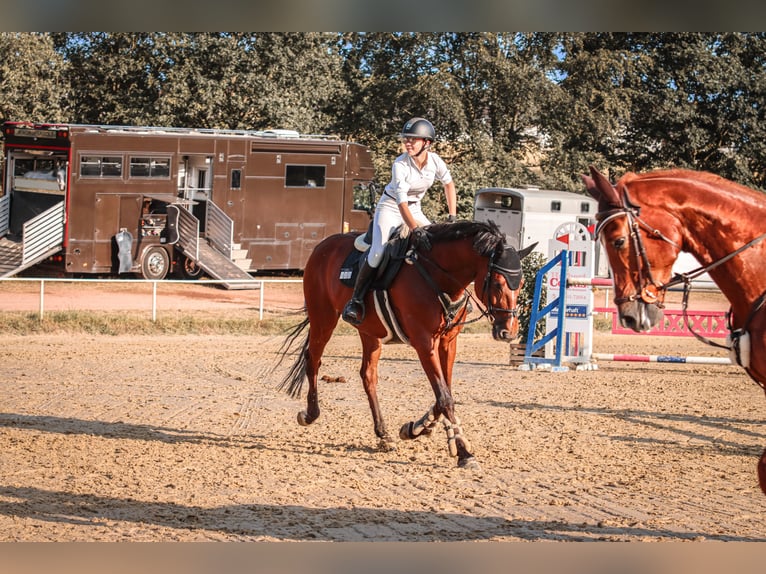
x=186, y=438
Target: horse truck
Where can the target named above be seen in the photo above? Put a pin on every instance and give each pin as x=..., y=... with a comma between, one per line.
x=153, y=201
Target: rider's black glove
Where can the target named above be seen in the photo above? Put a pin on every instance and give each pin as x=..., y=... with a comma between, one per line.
x=420, y=239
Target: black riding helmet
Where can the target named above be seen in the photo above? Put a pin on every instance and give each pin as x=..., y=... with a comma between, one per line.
x=419, y=128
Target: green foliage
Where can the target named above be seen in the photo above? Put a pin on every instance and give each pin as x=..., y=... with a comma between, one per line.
x=33, y=84
x=531, y=266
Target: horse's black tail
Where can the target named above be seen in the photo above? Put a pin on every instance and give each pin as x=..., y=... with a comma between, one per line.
x=293, y=381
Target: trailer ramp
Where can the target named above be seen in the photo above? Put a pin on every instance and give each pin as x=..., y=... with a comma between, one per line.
x=41, y=237
x=221, y=267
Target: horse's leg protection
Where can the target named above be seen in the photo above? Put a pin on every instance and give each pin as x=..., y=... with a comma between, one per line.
x=454, y=434
x=423, y=425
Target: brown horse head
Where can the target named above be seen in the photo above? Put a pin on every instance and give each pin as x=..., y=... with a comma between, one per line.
x=499, y=285
x=486, y=260
x=501, y=291
x=641, y=246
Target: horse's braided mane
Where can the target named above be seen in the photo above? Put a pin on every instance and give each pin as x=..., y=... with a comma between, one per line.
x=487, y=235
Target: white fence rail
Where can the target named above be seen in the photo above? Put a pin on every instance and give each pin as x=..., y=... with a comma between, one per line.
x=262, y=283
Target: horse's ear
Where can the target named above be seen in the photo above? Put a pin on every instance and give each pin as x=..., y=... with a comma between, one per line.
x=527, y=250
x=601, y=189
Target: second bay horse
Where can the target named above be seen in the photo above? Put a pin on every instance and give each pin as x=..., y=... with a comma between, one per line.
x=428, y=298
x=645, y=220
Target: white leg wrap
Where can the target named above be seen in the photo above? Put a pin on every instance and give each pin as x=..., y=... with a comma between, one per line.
x=453, y=433
x=426, y=422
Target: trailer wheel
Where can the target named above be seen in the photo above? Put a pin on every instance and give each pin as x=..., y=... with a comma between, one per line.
x=155, y=263
x=190, y=269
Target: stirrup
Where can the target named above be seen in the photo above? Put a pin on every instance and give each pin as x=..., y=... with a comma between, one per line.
x=353, y=312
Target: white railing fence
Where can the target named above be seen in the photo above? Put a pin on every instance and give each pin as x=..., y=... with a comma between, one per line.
x=261, y=286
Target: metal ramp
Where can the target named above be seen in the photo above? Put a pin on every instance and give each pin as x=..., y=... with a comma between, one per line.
x=219, y=266
x=10, y=257
x=214, y=255
x=41, y=237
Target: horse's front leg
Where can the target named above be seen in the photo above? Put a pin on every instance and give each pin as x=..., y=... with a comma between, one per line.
x=445, y=405
x=425, y=424
x=371, y=349
x=456, y=440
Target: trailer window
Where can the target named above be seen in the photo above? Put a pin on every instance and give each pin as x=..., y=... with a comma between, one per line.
x=100, y=166
x=236, y=179
x=555, y=206
x=152, y=167
x=585, y=207
x=305, y=176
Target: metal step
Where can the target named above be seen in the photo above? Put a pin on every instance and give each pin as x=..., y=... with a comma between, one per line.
x=218, y=266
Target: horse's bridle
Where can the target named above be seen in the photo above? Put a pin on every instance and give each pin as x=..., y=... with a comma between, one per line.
x=451, y=308
x=650, y=290
x=512, y=277
x=647, y=290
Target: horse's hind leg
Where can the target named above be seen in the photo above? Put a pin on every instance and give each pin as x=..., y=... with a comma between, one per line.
x=371, y=349
x=317, y=341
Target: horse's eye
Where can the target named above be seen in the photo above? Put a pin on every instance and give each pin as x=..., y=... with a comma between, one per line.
x=619, y=243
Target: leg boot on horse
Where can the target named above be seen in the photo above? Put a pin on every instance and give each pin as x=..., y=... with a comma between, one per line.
x=353, y=312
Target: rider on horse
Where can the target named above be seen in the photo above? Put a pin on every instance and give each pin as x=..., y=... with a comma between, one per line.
x=412, y=174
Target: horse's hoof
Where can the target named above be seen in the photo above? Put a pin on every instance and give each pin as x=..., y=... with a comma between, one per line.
x=469, y=463
x=405, y=433
x=302, y=419
x=386, y=444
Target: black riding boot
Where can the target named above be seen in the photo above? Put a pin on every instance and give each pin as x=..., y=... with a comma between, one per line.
x=353, y=312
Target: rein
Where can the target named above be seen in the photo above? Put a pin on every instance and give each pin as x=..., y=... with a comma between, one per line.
x=452, y=308
x=449, y=308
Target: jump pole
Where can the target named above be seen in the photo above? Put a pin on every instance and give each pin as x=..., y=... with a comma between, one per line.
x=691, y=360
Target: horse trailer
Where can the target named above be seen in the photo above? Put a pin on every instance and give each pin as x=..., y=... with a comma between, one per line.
x=148, y=200
x=529, y=215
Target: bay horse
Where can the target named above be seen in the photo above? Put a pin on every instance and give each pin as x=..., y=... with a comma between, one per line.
x=429, y=302
x=645, y=220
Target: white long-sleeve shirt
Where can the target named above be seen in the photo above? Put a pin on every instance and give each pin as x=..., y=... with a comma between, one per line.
x=409, y=183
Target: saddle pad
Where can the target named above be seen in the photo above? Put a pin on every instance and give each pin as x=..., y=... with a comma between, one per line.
x=393, y=258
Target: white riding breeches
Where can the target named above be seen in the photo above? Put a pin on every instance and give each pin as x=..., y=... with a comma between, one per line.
x=387, y=219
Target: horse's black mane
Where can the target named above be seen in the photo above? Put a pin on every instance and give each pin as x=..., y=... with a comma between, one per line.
x=487, y=235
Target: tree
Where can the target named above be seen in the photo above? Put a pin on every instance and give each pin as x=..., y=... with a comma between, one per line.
x=483, y=92
x=33, y=83
x=702, y=105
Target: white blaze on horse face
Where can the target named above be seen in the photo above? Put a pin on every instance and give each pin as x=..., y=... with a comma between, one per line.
x=615, y=238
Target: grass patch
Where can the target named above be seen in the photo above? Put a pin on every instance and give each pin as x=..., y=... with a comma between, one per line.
x=124, y=323
x=602, y=322
x=167, y=323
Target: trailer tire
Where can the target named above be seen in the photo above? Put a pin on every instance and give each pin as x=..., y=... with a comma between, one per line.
x=189, y=269
x=155, y=263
